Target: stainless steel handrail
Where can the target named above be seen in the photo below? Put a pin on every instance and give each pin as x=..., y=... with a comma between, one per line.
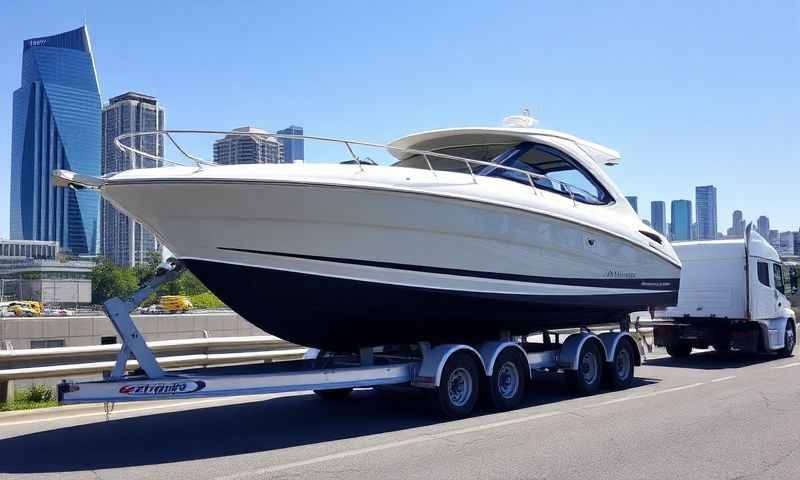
x=199, y=162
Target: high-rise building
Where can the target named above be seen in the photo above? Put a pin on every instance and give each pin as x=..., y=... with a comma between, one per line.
x=787, y=243
x=762, y=225
x=56, y=125
x=658, y=217
x=681, y=219
x=256, y=148
x=634, y=202
x=774, y=239
x=706, y=212
x=737, y=226
x=123, y=240
x=293, y=148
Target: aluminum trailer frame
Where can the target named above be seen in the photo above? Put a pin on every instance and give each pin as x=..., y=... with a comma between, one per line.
x=422, y=366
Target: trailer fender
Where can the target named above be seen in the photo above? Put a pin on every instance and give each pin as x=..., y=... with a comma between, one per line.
x=568, y=355
x=489, y=352
x=429, y=374
x=612, y=339
x=311, y=354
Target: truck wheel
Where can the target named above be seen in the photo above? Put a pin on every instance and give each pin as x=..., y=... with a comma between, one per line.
x=679, y=350
x=620, y=371
x=507, y=383
x=789, y=340
x=456, y=395
x=334, y=393
x=586, y=379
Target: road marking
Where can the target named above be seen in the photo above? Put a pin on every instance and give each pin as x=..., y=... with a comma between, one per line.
x=722, y=379
x=118, y=412
x=644, y=395
x=789, y=365
x=386, y=446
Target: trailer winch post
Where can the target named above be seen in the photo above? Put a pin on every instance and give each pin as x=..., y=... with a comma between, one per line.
x=133, y=344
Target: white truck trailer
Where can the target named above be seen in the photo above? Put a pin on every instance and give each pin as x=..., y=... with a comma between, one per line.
x=732, y=296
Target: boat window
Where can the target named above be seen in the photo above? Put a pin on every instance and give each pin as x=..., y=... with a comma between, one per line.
x=555, y=171
x=763, y=273
x=778, y=274
x=484, y=153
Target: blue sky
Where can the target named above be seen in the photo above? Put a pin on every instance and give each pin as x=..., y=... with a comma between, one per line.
x=691, y=93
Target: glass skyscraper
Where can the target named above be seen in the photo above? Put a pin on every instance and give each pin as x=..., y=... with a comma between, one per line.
x=123, y=240
x=56, y=124
x=658, y=217
x=681, y=220
x=634, y=202
x=706, y=212
x=293, y=149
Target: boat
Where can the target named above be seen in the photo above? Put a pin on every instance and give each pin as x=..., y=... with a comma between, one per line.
x=472, y=233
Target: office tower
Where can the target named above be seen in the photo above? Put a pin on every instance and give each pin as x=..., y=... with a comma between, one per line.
x=123, y=240
x=787, y=244
x=706, y=212
x=56, y=125
x=774, y=239
x=658, y=217
x=256, y=148
x=634, y=202
x=293, y=149
x=681, y=219
x=762, y=225
x=737, y=225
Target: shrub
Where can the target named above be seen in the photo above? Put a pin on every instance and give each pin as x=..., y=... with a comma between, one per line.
x=206, y=300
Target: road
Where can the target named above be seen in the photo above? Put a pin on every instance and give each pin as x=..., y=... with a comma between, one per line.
x=713, y=416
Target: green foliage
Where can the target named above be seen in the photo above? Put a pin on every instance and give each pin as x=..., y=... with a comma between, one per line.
x=37, y=396
x=206, y=300
x=110, y=280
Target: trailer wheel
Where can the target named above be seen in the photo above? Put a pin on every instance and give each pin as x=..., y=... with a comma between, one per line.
x=508, y=380
x=620, y=370
x=789, y=340
x=679, y=350
x=334, y=393
x=587, y=378
x=456, y=395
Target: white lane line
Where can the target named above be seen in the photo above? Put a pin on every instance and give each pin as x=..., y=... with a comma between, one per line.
x=387, y=446
x=644, y=395
x=722, y=379
x=788, y=365
x=115, y=413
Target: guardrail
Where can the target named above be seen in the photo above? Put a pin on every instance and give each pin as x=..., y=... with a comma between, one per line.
x=96, y=359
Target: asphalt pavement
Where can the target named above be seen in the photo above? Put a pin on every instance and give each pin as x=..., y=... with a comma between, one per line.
x=712, y=416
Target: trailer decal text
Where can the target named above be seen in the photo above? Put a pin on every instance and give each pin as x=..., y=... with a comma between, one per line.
x=162, y=388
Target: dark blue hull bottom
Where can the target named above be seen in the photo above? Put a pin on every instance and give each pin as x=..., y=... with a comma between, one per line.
x=343, y=315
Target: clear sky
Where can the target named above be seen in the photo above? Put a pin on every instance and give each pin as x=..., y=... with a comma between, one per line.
x=692, y=93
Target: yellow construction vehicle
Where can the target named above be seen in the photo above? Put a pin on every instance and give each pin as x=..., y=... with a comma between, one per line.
x=25, y=308
x=175, y=303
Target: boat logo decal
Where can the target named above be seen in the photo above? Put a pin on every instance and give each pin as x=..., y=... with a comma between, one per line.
x=618, y=274
x=162, y=388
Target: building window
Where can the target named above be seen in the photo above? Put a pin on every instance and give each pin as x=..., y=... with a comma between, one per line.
x=47, y=343
x=763, y=273
x=110, y=340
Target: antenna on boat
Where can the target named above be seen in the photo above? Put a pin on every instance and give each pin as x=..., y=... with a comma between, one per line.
x=520, y=121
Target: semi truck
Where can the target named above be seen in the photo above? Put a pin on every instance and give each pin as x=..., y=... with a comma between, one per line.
x=732, y=296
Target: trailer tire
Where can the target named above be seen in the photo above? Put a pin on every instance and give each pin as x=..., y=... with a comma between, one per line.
x=619, y=371
x=789, y=340
x=334, y=393
x=587, y=378
x=506, y=385
x=679, y=350
x=457, y=393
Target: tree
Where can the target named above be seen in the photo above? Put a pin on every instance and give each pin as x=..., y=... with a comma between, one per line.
x=109, y=280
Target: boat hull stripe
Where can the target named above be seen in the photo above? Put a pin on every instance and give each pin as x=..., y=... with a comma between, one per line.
x=657, y=284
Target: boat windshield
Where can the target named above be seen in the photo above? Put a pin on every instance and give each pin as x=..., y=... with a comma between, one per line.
x=555, y=172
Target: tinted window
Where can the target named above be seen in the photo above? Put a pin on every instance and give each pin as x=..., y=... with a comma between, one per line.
x=763, y=273
x=778, y=274
x=484, y=153
x=555, y=172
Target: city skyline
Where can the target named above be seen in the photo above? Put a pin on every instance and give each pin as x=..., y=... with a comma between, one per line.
x=677, y=139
